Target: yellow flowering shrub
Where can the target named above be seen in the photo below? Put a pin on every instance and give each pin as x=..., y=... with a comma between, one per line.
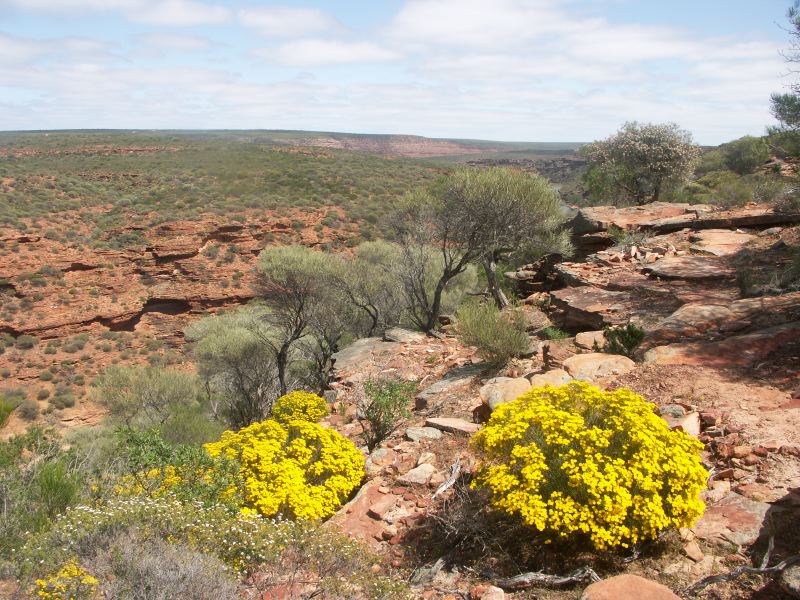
x=577, y=460
x=302, y=406
x=292, y=467
x=70, y=582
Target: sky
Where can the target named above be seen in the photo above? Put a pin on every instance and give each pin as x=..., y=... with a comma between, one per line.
x=515, y=70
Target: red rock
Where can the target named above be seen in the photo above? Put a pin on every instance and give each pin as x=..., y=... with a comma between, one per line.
x=381, y=507
x=452, y=425
x=627, y=587
x=741, y=451
x=693, y=551
x=751, y=459
x=733, y=519
x=724, y=474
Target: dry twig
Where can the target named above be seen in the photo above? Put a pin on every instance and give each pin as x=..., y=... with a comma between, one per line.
x=526, y=580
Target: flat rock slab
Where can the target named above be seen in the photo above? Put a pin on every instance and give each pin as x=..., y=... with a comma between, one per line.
x=737, y=351
x=398, y=334
x=734, y=519
x=691, y=268
x=599, y=218
x=416, y=434
x=554, y=377
x=597, y=365
x=719, y=242
x=628, y=587
x=503, y=389
x=728, y=219
x=591, y=307
x=453, y=380
x=361, y=353
x=723, y=319
x=452, y=425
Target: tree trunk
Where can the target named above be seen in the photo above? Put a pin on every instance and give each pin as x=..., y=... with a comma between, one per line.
x=490, y=268
x=282, y=362
x=656, y=193
x=436, y=305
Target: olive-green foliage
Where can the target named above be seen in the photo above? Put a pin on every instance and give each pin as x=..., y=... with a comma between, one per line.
x=6, y=408
x=554, y=333
x=498, y=335
x=785, y=107
x=307, y=309
x=37, y=482
x=744, y=155
x=384, y=404
x=406, y=282
x=472, y=216
x=145, y=397
x=622, y=340
x=142, y=452
x=236, y=358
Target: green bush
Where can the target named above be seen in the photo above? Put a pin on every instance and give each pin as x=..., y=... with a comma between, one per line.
x=26, y=342
x=622, y=340
x=554, y=333
x=384, y=404
x=6, y=408
x=498, y=335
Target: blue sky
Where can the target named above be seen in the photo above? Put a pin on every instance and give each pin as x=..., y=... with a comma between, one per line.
x=528, y=70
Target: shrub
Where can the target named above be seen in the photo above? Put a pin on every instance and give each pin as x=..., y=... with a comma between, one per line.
x=554, y=333
x=622, y=340
x=29, y=410
x=498, y=335
x=301, y=406
x=6, y=408
x=383, y=406
x=293, y=469
x=26, y=342
x=578, y=461
x=70, y=582
x=326, y=563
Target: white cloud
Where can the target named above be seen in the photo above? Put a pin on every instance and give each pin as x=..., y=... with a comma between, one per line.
x=174, y=41
x=183, y=13
x=282, y=21
x=314, y=53
x=180, y=13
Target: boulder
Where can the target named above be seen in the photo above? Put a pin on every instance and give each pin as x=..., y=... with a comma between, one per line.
x=597, y=365
x=503, y=389
x=554, y=377
x=627, y=587
x=589, y=339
